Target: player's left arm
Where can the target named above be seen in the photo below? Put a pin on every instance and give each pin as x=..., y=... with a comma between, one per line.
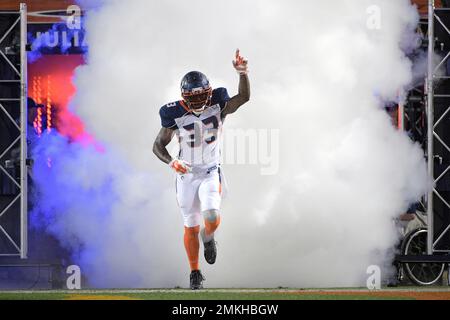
x=243, y=96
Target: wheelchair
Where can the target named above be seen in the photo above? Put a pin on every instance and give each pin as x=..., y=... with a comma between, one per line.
x=415, y=243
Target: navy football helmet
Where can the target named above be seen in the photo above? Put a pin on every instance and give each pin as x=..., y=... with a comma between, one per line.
x=196, y=91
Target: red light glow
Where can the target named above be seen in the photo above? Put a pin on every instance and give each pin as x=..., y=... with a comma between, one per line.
x=58, y=88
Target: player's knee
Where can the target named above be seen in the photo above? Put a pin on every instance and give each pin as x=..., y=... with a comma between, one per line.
x=192, y=231
x=211, y=215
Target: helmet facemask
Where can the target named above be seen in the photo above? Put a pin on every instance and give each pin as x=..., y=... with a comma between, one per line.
x=198, y=99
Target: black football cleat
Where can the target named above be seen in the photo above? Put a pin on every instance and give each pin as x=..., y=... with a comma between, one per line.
x=210, y=251
x=196, y=280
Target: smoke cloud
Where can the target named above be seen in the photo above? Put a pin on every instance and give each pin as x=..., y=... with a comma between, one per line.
x=320, y=72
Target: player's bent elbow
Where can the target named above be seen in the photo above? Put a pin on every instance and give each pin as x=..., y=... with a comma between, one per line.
x=245, y=96
x=245, y=99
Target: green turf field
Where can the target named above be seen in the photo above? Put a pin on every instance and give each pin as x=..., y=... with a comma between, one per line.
x=438, y=293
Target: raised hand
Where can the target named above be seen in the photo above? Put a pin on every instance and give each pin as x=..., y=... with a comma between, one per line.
x=240, y=64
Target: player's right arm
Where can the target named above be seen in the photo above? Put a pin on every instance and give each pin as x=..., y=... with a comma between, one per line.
x=163, y=139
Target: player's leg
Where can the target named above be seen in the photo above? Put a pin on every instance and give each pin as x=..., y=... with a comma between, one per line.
x=210, y=200
x=192, y=245
x=212, y=221
x=190, y=208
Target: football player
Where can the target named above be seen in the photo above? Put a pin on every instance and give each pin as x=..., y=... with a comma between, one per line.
x=197, y=121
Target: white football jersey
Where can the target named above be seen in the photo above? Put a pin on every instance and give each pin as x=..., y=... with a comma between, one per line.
x=200, y=137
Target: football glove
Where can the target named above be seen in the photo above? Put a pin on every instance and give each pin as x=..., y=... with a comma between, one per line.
x=180, y=166
x=240, y=64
